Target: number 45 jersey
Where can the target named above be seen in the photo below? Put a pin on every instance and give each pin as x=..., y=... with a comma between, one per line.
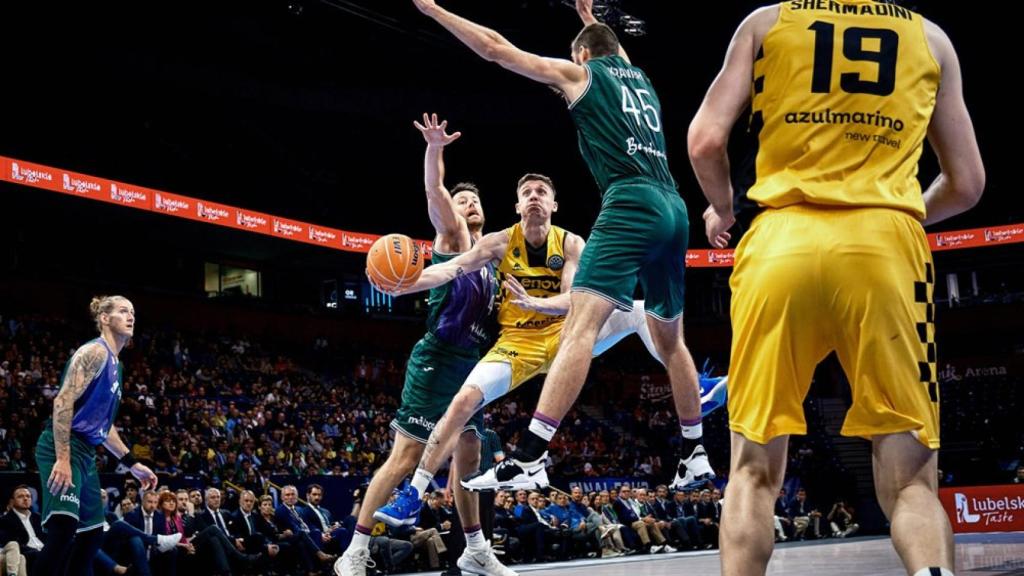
x=842, y=95
x=618, y=121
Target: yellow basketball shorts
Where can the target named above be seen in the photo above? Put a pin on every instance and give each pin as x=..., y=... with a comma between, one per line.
x=859, y=281
x=529, y=351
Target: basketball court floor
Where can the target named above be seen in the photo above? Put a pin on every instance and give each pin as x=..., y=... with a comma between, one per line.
x=999, y=554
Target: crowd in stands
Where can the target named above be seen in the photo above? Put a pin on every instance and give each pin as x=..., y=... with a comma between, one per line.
x=226, y=413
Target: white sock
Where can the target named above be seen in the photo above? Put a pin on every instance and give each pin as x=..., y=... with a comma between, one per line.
x=931, y=572
x=360, y=540
x=420, y=480
x=643, y=330
x=693, y=432
x=543, y=429
x=475, y=540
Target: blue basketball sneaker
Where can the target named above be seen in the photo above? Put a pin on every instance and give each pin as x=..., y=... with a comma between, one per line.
x=713, y=392
x=404, y=511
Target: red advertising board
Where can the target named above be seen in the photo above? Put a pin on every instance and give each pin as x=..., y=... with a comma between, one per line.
x=104, y=190
x=984, y=508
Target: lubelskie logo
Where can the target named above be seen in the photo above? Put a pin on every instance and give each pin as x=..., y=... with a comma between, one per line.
x=990, y=510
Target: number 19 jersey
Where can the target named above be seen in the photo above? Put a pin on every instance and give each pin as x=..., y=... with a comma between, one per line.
x=618, y=121
x=843, y=92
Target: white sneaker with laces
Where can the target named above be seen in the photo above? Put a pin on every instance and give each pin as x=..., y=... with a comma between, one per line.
x=167, y=542
x=693, y=472
x=510, y=474
x=483, y=562
x=353, y=562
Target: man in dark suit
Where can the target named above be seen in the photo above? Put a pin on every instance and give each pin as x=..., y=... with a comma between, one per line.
x=242, y=525
x=296, y=531
x=146, y=518
x=211, y=515
x=806, y=517
x=678, y=528
x=628, y=514
x=23, y=525
x=321, y=529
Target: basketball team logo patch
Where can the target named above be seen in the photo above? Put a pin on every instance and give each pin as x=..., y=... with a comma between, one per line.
x=556, y=262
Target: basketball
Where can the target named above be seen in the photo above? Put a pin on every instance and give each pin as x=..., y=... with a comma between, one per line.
x=394, y=262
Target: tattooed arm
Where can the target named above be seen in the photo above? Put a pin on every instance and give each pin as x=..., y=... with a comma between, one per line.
x=83, y=367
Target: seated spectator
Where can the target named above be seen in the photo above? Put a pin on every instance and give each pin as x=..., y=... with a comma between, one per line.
x=426, y=535
x=629, y=514
x=22, y=525
x=840, y=519
x=124, y=545
x=783, y=523
x=296, y=532
x=708, y=515
x=805, y=516
x=242, y=526
x=319, y=519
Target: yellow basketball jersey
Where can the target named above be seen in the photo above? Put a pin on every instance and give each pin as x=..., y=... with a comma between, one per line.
x=843, y=91
x=538, y=270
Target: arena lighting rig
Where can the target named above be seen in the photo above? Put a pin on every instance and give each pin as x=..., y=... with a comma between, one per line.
x=611, y=13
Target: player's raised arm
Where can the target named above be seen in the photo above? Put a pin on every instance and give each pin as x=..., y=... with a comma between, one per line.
x=585, y=9
x=452, y=232
x=565, y=75
x=490, y=247
x=708, y=137
x=951, y=134
x=557, y=305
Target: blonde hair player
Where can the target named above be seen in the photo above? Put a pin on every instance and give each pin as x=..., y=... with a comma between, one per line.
x=83, y=418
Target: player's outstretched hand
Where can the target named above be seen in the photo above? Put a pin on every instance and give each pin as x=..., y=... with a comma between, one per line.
x=425, y=6
x=585, y=8
x=716, y=225
x=144, y=475
x=518, y=295
x=434, y=132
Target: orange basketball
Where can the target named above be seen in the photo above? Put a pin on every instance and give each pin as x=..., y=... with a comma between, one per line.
x=394, y=262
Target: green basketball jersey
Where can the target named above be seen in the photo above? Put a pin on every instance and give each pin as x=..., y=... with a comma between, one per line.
x=618, y=120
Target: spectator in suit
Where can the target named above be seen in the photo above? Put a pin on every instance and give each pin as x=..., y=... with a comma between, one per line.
x=642, y=501
x=125, y=545
x=23, y=526
x=211, y=542
x=184, y=504
x=678, y=509
x=628, y=512
x=296, y=531
x=707, y=514
x=212, y=515
x=680, y=529
x=321, y=527
x=242, y=526
x=426, y=535
x=783, y=523
x=612, y=542
x=263, y=524
x=805, y=516
x=147, y=516
x=532, y=527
